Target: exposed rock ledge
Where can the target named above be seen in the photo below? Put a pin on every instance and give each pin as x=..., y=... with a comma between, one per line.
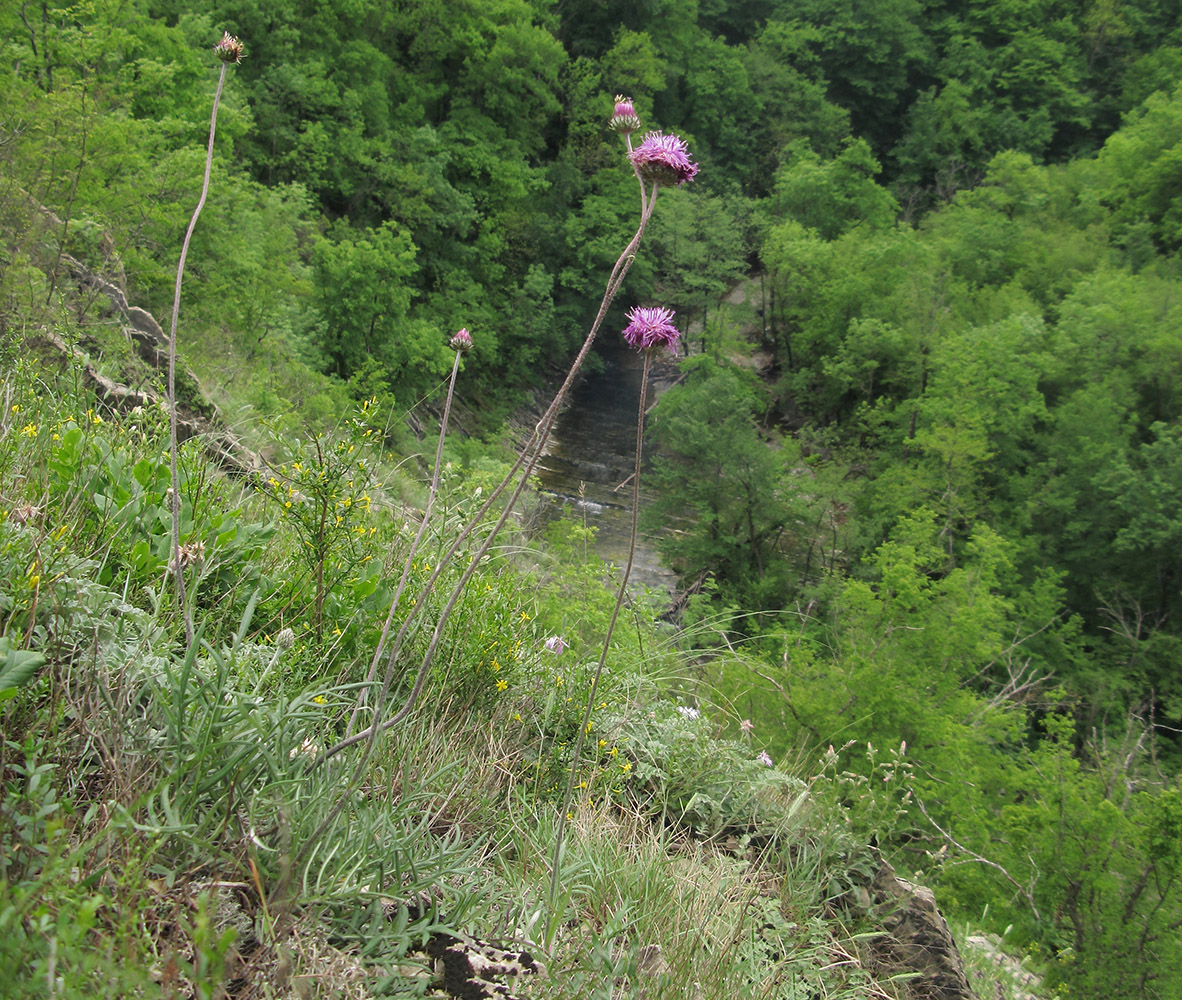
x=196, y=415
x=915, y=938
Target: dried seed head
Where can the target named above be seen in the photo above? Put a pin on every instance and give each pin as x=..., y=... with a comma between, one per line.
x=229, y=49
x=24, y=514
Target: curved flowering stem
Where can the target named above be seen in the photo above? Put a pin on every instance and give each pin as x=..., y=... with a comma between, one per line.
x=671, y=160
x=647, y=330
x=228, y=50
x=529, y=457
x=660, y=159
x=643, y=193
x=460, y=343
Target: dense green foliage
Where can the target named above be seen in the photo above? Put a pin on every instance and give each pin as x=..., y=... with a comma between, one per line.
x=945, y=523
x=457, y=147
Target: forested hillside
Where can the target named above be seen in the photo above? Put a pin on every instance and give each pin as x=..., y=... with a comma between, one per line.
x=923, y=482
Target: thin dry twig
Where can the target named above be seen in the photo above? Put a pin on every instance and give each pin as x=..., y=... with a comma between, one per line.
x=1023, y=891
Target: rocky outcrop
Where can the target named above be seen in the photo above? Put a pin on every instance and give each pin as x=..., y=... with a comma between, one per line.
x=197, y=417
x=915, y=938
x=222, y=446
x=139, y=325
x=467, y=967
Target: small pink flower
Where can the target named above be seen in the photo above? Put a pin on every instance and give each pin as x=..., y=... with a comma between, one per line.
x=24, y=514
x=651, y=327
x=556, y=644
x=746, y=725
x=765, y=759
x=624, y=118
x=664, y=159
x=462, y=341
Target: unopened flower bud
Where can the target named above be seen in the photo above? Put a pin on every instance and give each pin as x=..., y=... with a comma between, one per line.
x=285, y=639
x=624, y=118
x=462, y=341
x=229, y=49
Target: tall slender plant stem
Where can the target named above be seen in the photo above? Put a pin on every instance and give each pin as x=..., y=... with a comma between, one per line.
x=172, y=409
x=414, y=548
x=529, y=457
x=556, y=865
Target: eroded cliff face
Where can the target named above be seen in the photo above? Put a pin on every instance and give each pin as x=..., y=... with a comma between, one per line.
x=197, y=415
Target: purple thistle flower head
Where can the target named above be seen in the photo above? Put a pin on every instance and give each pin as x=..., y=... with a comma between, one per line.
x=651, y=327
x=556, y=644
x=664, y=159
x=229, y=49
x=765, y=759
x=462, y=341
x=624, y=118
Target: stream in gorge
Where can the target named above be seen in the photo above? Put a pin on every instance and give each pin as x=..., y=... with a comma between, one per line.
x=584, y=473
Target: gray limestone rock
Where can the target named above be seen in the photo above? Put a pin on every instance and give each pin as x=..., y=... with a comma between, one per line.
x=915, y=939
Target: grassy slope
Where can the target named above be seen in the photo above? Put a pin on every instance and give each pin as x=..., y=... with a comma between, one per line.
x=159, y=808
